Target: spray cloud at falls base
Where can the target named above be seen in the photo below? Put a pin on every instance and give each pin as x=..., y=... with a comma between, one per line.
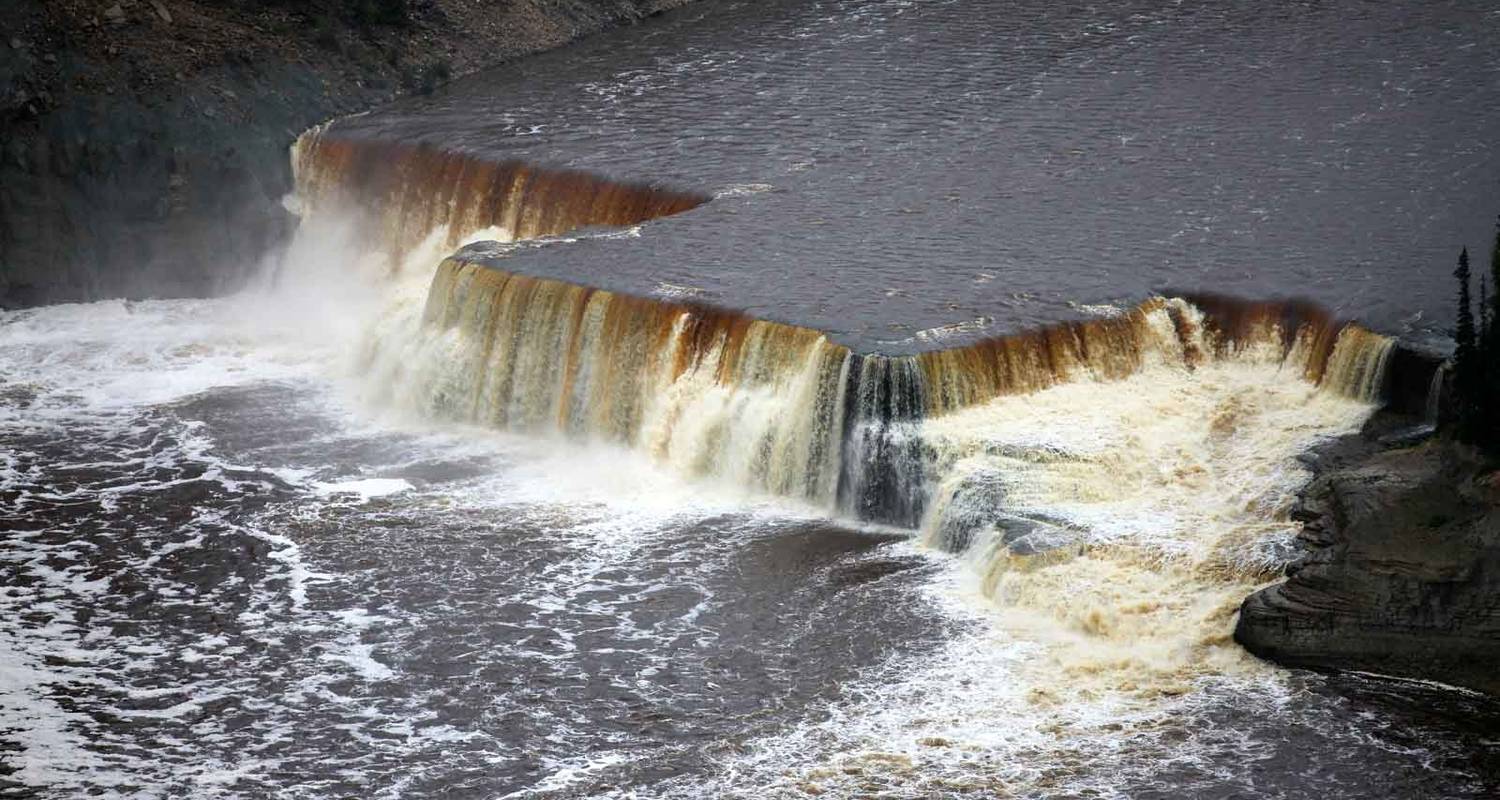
x=1034, y=449
x=868, y=453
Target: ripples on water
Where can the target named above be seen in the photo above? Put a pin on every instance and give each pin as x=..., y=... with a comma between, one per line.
x=926, y=164
x=244, y=588
x=225, y=576
x=226, y=573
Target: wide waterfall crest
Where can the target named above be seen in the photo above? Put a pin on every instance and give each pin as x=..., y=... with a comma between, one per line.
x=1065, y=453
x=406, y=192
x=781, y=409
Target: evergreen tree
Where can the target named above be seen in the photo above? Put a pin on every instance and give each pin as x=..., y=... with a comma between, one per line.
x=1487, y=405
x=1482, y=325
x=1467, y=382
x=1484, y=430
x=1492, y=342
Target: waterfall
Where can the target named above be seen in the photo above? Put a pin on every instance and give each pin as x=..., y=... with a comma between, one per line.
x=780, y=408
x=911, y=441
x=882, y=472
x=1126, y=477
x=405, y=192
x=708, y=391
x=1432, y=412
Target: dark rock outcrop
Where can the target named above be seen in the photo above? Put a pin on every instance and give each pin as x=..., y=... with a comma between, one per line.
x=143, y=145
x=1403, y=573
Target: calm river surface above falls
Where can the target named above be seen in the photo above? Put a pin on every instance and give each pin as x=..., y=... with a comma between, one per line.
x=242, y=556
x=888, y=168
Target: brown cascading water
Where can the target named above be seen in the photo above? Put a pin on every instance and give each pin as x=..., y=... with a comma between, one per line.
x=1203, y=327
x=708, y=390
x=780, y=408
x=409, y=191
x=761, y=404
x=1119, y=484
x=1122, y=521
x=1101, y=349
x=1119, y=509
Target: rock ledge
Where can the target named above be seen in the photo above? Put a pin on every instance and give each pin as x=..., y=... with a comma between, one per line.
x=1402, y=574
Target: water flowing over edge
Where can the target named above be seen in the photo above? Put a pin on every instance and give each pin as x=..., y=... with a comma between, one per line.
x=539, y=353
x=711, y=392
x=1118, y=512
x=1118, y=484
x=407, y=191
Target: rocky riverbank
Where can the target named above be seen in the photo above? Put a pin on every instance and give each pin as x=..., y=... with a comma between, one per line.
x=143, y=143
x=1402, y=571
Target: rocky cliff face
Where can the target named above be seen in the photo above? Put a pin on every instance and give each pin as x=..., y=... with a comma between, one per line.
x=143, y=143
x=1402, y=576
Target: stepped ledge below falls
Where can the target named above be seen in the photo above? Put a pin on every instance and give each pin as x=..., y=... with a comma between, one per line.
x=1401, y=574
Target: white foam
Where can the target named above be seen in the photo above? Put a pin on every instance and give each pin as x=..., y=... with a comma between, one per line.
x=361, y=658
x=572, y=772
x=743, y=190
x=365, y=489
x=944, y=332
x=672, y=291
x=1118, y=461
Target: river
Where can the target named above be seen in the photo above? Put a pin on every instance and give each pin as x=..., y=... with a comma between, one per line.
x=726, y=459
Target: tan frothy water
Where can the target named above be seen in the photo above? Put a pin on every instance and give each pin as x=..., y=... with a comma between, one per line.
x=1117, y=485
x=705, y=391
x=1147, y=508
x=1165, y=497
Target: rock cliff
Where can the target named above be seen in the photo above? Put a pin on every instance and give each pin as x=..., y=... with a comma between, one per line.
x=143, y=143
x=1402, y=574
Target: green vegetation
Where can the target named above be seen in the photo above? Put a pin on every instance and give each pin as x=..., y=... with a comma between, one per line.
x=1476, y=362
